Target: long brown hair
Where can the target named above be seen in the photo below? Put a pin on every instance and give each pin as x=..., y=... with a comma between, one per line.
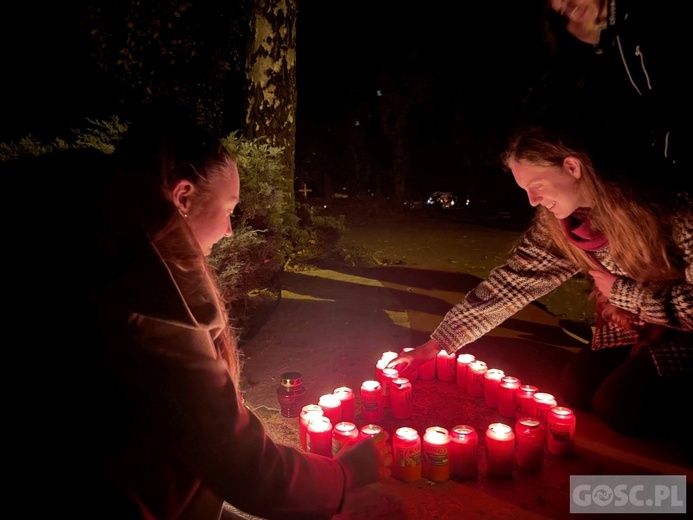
x=636, y=225
x=162, y=147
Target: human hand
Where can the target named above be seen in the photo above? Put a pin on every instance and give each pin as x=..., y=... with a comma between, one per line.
x=365, y=461
x=408, y=362
x=604, y=281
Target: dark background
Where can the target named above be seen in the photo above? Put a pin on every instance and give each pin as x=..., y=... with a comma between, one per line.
x=460, y=71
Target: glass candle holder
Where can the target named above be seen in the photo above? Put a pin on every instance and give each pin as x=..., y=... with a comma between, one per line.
x=401, y=398
x=530, y=439
x=371, y=401
x=291, y=394
x=346, y=397
x=464, y=443
x=319, y=436
x=342, y=433
x=331, y=406
x=406, y=451
x=491, y=379
x=500, y=450
x=524, y=398
x=475, y=378
x=506, y=395
x=446, y=366
x=435, y=454
x=560, y=426
x=307, y=412
x=462, y=363
x=542, y=403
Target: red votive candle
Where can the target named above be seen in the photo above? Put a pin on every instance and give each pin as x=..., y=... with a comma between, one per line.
x=346, y=396
x=530, y=439
x=560, y=424
x=414, y=375
x=500, y=449
x=400, y=398
x=491, y=379
x=462, y=363
x=435, y=454
x=524, y=398
x=379, y=365
x=406, y=451
x=464, y=443
x=475, y=378
x=446, y=366
x=387, y=375
x=372, y=401
x=427, y=370
x=543, y=402
x=342, y=433
x=375, y=432
x=319, y=436
x=388, y=355
x=307, y=412
x=332, y=407
x=506, y=395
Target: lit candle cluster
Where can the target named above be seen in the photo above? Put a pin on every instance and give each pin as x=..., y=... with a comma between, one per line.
x=439, y=453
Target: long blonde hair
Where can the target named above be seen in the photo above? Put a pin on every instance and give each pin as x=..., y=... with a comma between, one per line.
x=160, y=149
x=637, y=226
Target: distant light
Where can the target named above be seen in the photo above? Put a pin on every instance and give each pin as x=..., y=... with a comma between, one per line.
x=357, y=123
x=379, y=93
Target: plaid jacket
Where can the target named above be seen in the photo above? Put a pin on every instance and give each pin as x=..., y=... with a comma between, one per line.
x=537, y=267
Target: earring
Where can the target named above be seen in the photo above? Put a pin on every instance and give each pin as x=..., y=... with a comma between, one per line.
x=183, y=213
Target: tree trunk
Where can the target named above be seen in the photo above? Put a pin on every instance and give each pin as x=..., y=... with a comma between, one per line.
x=271, y=80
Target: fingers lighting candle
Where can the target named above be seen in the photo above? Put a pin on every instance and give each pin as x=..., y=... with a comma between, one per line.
x=500, y=449
x=462, y=363
x=346, y=396
x=414, y=375
x=560, y=425
x=307, y=412
x=406, y=447
x=332, y=407
x=475, y=378
x=400, y=398
x=464, y=443
x=506, y=395
x=491, y=379
x=542, y=404
x=445, y=366
x=371, y=401
x=524, y=398
x=342, y=433
x=319, y=436
x=530, y=439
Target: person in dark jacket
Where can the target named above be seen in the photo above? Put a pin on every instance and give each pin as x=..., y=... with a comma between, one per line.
x=142, y=370
x=620, y=68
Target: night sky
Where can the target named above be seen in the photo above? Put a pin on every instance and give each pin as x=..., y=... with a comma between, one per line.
x=475, y=59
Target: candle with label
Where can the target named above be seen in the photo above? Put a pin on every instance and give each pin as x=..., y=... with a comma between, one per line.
x=464, y=443
x=530, y=438
x=307, y=412
x=342, y=433
x=524, y=398
x=332, y=407
x=446, y=366
x=400, y=398
x=346, y=396
x=379, y=365
x=491, y=379
x=500, y=450
x=387, y=375
x=543, y=402
x=462, y=363
x=506, y=395
x=435, y=454
x=375, y=432
x=371, y=401
x=406, y=450
x=319, y=436
x=560, y=426
x=414, y=375
x=427, y=370
x=475, y=378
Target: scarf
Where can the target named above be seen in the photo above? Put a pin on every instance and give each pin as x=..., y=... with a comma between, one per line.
x=578, y=231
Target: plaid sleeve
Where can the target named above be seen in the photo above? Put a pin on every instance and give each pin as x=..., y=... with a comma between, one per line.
x=535, y=269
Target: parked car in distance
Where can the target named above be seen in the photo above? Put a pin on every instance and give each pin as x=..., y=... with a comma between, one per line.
x=442, y=199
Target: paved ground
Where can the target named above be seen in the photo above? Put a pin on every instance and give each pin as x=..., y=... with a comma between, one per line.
x=332, y=325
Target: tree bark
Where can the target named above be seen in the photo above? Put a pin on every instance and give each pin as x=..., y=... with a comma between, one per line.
x=271, y=81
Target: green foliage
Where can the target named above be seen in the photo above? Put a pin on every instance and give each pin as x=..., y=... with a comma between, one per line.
x=100, y=134
x=270, y=234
